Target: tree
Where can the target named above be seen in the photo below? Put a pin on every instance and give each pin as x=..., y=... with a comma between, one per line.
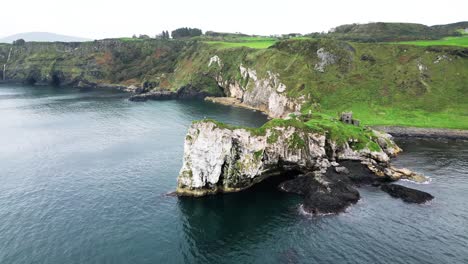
x=19, y=42
x=186, y=33
x=163, y=35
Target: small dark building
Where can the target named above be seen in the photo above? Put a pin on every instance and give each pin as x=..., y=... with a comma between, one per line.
x=347, y=118
x=356, y=122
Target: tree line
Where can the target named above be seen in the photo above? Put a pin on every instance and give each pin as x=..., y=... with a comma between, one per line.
x=179, y=33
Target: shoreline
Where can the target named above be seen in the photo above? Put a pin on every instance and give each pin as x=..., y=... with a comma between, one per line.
x=396, y=131
x=231, y=101
x=420, y=132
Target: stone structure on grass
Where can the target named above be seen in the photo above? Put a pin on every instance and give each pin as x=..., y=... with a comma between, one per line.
x=347, y=118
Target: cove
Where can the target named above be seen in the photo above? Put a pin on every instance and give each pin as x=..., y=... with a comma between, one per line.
x=85, y=176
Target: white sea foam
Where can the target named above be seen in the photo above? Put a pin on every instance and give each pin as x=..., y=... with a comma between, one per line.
x=303, y=212
x=428, y=181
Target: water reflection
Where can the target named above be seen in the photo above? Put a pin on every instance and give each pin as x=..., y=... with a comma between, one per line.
x=219, y=225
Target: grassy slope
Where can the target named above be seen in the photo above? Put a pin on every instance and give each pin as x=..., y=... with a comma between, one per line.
x=249, y=42
x=389, y=90
x=448, y=41
x=335, y=130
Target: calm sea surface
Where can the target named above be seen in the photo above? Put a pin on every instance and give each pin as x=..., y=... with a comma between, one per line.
x=83, y=178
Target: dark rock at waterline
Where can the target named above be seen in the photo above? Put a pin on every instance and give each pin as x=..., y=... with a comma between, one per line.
x=84, y=84
x=334, y=200
x=341, y=170
x=185, y=92
x=300, y=185
x=406, y=194
x=157, y=95
x=323, y=194
x=359, y=174
x=334, y=191
x=190, y=92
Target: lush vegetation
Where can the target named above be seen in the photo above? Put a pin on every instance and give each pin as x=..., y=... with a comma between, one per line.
x=186, y=33
x=261, y=44
x=461, y=41
x=383, y=32
x=235, y=41
x=382, y=84
x=358, y=137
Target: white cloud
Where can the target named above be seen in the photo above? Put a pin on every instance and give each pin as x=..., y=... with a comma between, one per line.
x=113, y=18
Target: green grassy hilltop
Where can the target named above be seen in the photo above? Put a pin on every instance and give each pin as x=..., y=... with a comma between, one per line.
x=461, y=41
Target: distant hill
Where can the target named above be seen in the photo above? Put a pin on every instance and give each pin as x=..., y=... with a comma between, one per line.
x=383, y=31
x=42, y=37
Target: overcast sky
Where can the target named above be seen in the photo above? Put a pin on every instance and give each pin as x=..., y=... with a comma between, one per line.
x=115, y=18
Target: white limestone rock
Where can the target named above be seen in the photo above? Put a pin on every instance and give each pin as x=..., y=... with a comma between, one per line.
x=325, y=58
x=218, y=158
x=215, y=59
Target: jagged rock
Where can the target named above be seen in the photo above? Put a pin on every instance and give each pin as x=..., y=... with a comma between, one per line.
x=325, y=58
x=333, y=192
x=333, y=199
x=403, y=173
x=218, y=158
x=342, y=170
x=264, y=94
x=153, y=95
x=406, y=194
x=323, y=193
x=84, y=84
x=300, y=185
x=215, y=60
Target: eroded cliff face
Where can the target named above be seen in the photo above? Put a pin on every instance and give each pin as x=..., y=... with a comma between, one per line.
x=266, y=94
x=224, y=159
x=110, y=62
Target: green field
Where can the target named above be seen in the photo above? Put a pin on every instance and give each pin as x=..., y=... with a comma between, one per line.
x=390, y=116
x=448, y=41
x=249, y=42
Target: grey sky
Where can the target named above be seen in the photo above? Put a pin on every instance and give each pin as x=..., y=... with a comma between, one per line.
x=114, y=18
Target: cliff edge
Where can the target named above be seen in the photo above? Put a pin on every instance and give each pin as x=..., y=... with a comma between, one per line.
x=219, y=158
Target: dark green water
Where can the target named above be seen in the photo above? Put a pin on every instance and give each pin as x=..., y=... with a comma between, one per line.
x=84, y=176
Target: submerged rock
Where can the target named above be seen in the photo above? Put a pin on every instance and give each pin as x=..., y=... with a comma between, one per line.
x=406, y=194
x=153, y=95
x=323, y=194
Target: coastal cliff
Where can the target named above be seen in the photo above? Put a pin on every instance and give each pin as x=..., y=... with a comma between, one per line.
x=219, y=158
x=388, y=84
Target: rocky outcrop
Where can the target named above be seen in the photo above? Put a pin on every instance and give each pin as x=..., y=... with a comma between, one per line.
x=323, y=193
x=219, y=158
x=153, y=95
x=424, y=132
x=406, y=194
x=185, y=92
x=325, y=58
x=262, y=93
